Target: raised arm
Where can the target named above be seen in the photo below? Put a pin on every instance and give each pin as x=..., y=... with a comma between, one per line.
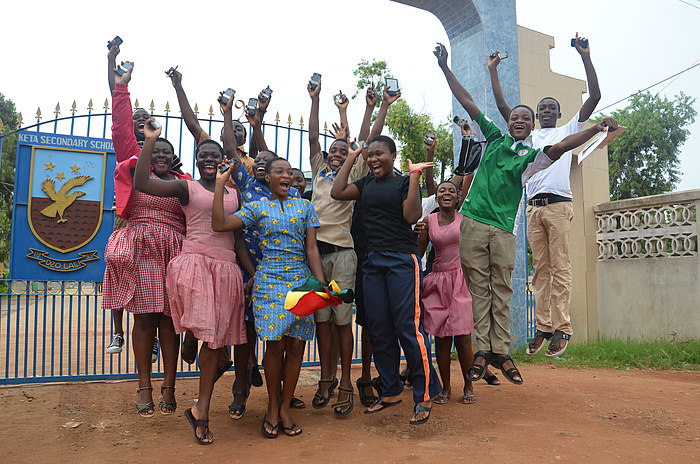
x=341, y=190
x=429, y=158
x=123, y=118
x=593, y=88
x=314, y=144
x=461, y=94
x=503, y=108
x=156, y=187
x=342, y=106
x=219, y=221
x=112, y=64
x=412, y=209
x=572, y=141
x=187, y=113
x=387, y=101
x=262, y=110
x=371, y=102
x=256, y=129
x=230, y=145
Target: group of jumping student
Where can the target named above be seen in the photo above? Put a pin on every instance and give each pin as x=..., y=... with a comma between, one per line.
x=214, y=258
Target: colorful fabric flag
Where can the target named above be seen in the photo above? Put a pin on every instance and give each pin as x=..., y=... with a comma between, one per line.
x=314, y=294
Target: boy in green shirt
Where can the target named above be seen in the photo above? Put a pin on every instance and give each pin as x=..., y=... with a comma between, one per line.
x=487, y=243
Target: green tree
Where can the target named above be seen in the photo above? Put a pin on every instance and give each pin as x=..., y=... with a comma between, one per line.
x=8, y=118
x=644, y=159
x=371, y=74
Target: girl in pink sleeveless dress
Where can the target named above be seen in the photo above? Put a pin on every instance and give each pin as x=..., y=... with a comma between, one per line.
x=446, y=300
x=204, y=282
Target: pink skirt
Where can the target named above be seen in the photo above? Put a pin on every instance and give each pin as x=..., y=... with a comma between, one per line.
x=206, y=295
x=447, y=304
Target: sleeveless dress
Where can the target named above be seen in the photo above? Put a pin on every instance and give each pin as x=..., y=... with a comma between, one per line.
x=283, y=264
x=446, y=299
x=137, y=255
x=204, y=281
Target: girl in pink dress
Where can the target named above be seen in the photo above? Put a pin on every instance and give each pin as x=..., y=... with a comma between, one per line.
x=446, y=299
x=204, y=282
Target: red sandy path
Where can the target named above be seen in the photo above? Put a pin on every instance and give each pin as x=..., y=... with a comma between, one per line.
x=558, y=415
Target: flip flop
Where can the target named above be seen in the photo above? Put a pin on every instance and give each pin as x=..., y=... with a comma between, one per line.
x=290, y=431
x=417, y=409
x=441, y=398
x=468, y=399
x=383, y=404
x=275, y=428
x=199, y=423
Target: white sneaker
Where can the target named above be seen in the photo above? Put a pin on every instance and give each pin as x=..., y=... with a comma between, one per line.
x=116, y=344
x=154, y=353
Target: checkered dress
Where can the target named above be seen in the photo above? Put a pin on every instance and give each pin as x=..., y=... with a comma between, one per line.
x=137, y=256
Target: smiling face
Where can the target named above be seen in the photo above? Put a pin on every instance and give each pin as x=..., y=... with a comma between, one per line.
x=548, y=112
x=239, y=133
x=380, y=159
x=337, y=154
x=161, y=158
x=298, y=181
x=447, y=196
x=521, y=122
x=140, y=116
x=260, y=163
x=209, y=156
x=279, y=176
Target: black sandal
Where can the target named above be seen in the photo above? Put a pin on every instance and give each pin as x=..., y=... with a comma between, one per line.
x=492, y=380
x=478, y=369
x=533, y=347
x=553, y=344
x=499, y=361
x=341, y=404
x=201, y=423
x=366, y=400
x=236, y=411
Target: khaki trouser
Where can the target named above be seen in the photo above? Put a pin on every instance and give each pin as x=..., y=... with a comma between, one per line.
x=487, y=254
x=548, y=232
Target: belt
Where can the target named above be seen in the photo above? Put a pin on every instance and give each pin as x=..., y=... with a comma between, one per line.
x=545, y=199
x=326, y=248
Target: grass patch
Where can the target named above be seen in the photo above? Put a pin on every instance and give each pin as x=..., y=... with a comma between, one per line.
x=623, y=354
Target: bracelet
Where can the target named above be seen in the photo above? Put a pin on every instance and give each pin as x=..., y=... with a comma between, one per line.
x=415, y=170
x=262, y=111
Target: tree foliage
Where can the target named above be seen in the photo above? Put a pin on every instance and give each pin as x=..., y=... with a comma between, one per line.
x=371, y=75
x=8, y=116
x=643, y=160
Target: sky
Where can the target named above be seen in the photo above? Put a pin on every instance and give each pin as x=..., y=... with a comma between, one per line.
x=59, y=53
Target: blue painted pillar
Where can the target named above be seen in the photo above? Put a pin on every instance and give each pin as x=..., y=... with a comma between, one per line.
x=475, y=29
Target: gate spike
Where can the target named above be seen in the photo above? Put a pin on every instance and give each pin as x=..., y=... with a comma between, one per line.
x=136, y=104
x=211, y=112
x=167, y=108
x=38, y=114
x=152, y=108
x=106, y=105
x=289, y=120
x=196, y=109
x=20, y=120
x=277, y=118
x=325, y=127
x=89, y=108
x=57, y=111
x=301, y=122
x=73, y=108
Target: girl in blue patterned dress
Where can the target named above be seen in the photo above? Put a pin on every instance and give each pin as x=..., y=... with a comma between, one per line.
x=288, y=241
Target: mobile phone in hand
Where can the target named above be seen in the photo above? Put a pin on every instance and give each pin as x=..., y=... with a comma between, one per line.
x=315, y=79
x=117, y=41
x=582, y=42
x=226, y=96
x=124, y=67
x=252, y=103
x=266, y=93
x=393, y=85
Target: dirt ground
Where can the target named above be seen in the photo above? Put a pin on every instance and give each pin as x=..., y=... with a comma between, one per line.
x=558, y=415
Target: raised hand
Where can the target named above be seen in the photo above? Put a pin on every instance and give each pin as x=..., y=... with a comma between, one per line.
x=149, y=132
x=494, y=60
x=338, y=131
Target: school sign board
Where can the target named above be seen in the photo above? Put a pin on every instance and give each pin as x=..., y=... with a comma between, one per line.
x=62, y=215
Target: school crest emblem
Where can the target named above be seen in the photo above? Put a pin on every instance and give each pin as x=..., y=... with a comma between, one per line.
x=65, y=197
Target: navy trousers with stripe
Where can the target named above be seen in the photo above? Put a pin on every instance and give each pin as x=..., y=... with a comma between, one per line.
x=392, y=283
